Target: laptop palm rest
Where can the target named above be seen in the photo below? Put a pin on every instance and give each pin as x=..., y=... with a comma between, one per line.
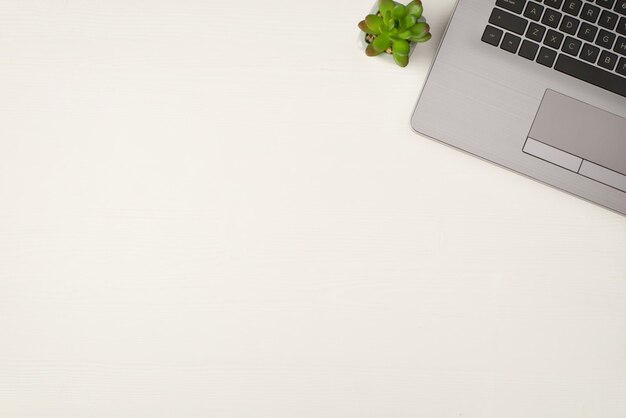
x=581, y=138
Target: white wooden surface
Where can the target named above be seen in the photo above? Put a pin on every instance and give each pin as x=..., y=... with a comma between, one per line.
x=217, y=209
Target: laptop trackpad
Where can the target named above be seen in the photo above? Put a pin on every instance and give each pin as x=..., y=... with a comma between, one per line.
x=581, y=138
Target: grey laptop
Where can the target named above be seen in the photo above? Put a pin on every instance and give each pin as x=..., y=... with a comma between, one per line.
x=538, y=87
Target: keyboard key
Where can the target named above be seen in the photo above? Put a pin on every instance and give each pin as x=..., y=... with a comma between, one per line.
x=569, y=25
x=554, y=3
x=533, y=11
x=528, y=50
x=590, y=53
x=492, y=35
x=621, y=26
x=587, y=32
x=605, y=39
x=546, y=56
x=571, y=46
x=607, y=60
x=508, y=21
x=553, y=39
x=621, y=67
x=594, y=75
x=620, y=7
x=572, y=7
x=606, y=3
x=515, y=6
x=620, y=46
x=510, y=42
x=590, y=13
x=535, y=32
x=551, y=18
x=608, y=20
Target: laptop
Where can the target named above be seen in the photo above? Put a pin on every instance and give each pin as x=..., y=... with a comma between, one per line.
x=538, y=87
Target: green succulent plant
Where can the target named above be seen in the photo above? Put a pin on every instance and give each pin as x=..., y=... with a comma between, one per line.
x=393, y=28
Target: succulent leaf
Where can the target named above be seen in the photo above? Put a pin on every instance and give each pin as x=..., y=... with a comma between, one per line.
x=363, y=26
x=373, y=22
x=424, y=38
x=398, y=11
x=387, y=17
x=418, y=37
x=405, y=35
x=415, y=8
x=371, y=52
x=408, y=21
x=401, y=60
x=420, y=28
x=401, y=47
x=381, y=43
x=386, y=6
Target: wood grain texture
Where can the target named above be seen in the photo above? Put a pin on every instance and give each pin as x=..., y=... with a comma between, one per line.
x=217, y=209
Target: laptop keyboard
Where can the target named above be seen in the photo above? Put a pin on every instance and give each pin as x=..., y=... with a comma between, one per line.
x=583, y=39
